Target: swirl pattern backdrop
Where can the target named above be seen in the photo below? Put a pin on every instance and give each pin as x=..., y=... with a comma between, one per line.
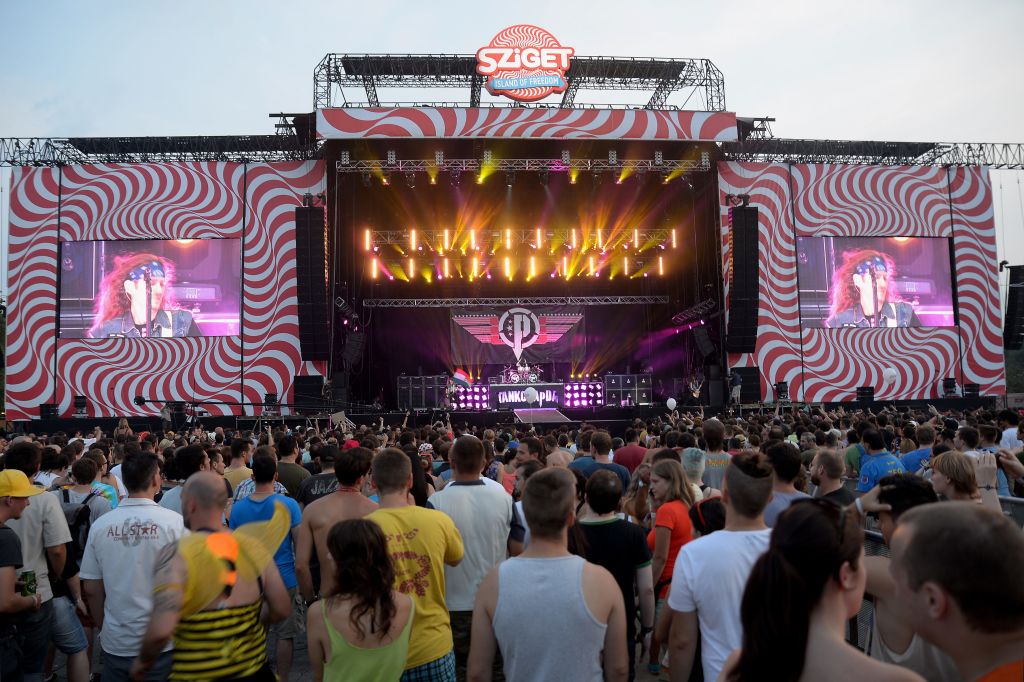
x=824, y=365
x=252, y=202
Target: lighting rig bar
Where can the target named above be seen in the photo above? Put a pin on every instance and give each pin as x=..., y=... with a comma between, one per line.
x=371, y=72
x=525, y=301
x=694, y=312
x=782, y=150
x=516, y=237
x=527, y=165
x=43, y=151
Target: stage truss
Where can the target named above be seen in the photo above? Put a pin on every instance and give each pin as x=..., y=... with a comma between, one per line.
x=513, y=301
x=516, y=237
x=371, y=72
x=602, y=165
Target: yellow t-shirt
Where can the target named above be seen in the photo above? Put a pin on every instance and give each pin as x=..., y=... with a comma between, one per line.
x=421, y=541
x=236, y=476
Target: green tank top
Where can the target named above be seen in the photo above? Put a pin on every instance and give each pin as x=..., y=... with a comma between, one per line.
x=380, y=664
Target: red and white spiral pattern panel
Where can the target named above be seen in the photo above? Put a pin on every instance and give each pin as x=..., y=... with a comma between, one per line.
x=837, y=361
x=523, y=123
x=32, y=290
x=271, y=324
x=777, y=352
x=525, y=35
x=150, y=201
x=977, y=279
x=870, y=201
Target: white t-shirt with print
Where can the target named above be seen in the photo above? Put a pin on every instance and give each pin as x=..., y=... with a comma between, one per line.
x=709, y=577
x=121, y=551
x=42, y=525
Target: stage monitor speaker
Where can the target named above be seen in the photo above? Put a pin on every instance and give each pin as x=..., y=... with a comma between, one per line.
x=972, y=391
x=865, y=394
x=704, y=343
x=308, y=391
x=311, y=280
x=1013, y=326
x=48, y=411
x=744, y=290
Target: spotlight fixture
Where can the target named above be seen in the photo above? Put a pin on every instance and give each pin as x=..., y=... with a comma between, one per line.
x=392, y=157
x=613, y=157
x=385, y=178
x=659, y=158
x=439, y=157
x=488, y=157
x=544, y=177
x=367, y=179
x=346, y=158
x=455, y=176
x=410, y=179
x=510, y=178
x=566, y=157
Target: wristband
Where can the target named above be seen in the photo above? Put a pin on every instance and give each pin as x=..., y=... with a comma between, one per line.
x=987, y=487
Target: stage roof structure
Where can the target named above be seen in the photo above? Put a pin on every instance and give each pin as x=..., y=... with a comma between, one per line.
x=374, y=72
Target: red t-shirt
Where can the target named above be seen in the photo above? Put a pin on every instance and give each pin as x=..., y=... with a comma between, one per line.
x=676, y=517
x=630, y=456
x=1011, y=672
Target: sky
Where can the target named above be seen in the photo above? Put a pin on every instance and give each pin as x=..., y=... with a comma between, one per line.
x=909, y=70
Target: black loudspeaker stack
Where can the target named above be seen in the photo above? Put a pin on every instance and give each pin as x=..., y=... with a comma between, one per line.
x=419, y=393
x=628, y=389
x=311, y=276
x=1013, y=327
x=741, y=336
x=308, y=391
x=704, y=343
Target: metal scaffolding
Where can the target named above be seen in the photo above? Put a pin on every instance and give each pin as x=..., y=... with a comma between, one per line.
x=600, y=165
x=781, y=150
x=372, y=72
x=497, y=302
x=516, y=237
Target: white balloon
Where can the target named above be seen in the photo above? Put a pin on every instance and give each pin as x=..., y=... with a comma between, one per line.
x=889, y=375
x=670, y=403
x=530, y=394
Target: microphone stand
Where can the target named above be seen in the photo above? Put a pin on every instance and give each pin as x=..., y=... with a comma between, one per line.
x=149, y=302
x=874, y=298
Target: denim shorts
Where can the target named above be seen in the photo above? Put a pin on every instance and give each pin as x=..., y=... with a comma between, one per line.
x=68, y=633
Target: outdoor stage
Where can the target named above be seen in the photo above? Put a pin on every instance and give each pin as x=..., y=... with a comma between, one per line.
x=371, y=241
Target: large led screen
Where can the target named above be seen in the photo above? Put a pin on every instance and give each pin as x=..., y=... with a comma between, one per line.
x=183, y=287
x=874, y=282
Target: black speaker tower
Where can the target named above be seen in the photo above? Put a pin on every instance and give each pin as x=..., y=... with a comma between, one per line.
x=1013, y=326
x=311, y=276
x=741, y=335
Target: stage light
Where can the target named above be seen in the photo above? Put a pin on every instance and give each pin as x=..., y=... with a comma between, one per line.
x=367, y=179
x=625, y=265
x=544, y=177
x=412, y=240
x=533, y=267
x=613, y=157
x=673, y=239
x=510, y=178
x=565, y=267
x=636, y=238
x=366, y=240
x=385, y=179
x=446, y=267
x=566, y=157
x=665, y=178
x=661, y=265
x=472, y=240
x=410, y=179
x=480, y=179
x=573, y=242
x=455, y=177
x=508, y=268
x=659, y=158
x=573, y=174
x=373, y=270
x=539, y=238
x=476, y=267
x=433, y=179
x=590, y=262
x=508, y=239
x=392, y=157
x=447, y=241
x=412, y=269
x=439, y=157
x=600, y=238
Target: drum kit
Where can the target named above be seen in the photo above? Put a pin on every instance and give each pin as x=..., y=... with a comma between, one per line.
x=521, y=374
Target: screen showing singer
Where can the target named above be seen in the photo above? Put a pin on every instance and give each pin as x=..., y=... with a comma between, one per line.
x=874, y=282
x=151, y=288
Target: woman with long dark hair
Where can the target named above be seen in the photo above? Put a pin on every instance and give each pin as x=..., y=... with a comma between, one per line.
x=799, y=596
x=361, y=631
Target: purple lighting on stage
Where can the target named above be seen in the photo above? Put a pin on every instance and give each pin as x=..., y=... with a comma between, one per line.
x=475, y=397
x=584, y=394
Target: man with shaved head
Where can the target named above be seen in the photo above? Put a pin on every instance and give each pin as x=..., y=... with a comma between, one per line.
x=200, y=629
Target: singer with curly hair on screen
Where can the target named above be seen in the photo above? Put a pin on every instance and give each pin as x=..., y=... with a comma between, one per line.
x=862, y=293
x=124, y=310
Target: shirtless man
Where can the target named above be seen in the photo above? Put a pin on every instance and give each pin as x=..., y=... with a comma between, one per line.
x=347, y=502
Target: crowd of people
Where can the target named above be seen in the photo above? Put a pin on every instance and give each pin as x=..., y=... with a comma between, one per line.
x=687, y=547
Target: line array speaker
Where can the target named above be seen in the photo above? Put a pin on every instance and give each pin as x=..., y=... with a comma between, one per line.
x=311, y=277
x=744, y=291
x=307, y=391
x=703, y=340
x=1013, y=326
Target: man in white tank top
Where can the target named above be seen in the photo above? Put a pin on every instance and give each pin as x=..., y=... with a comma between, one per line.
x=546, y=590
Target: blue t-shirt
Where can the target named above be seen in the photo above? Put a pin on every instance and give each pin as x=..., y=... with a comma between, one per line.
x=588, y=465
x=875, y=467
x=248, y=510
x=915, y=459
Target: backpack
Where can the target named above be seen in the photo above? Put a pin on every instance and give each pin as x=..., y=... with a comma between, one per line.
x=79, y=517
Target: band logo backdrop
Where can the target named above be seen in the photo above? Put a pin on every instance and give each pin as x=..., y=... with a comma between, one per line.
x=512, y=335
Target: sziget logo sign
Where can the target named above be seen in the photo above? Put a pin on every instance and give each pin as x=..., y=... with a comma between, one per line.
x=524, y=63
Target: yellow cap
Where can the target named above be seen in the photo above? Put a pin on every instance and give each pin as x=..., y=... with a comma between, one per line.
x=14, y=483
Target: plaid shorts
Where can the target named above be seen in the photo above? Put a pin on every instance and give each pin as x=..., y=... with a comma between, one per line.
x=439, y=670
